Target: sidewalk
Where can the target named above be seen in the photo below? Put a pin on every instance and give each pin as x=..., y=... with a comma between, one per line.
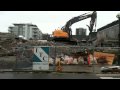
x=66, y=69
x=108, y=75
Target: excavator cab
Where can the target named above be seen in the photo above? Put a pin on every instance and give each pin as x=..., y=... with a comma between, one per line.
x=60, y=34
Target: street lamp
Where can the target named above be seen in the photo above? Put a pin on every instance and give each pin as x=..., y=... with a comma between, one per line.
x=118, y=16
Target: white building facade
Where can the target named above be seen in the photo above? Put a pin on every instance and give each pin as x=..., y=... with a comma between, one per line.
x=29, y=31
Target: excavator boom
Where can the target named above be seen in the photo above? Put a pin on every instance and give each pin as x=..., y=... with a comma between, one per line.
x=65, y=33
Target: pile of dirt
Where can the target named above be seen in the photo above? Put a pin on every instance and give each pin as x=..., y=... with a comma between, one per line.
x=6, y=46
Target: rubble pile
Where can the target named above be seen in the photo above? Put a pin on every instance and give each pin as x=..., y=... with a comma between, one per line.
x=6, y=47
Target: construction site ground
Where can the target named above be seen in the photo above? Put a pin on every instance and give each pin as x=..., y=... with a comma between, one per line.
x=9, y=66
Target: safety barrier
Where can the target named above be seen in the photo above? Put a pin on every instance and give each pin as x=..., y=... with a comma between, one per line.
x=72, y=58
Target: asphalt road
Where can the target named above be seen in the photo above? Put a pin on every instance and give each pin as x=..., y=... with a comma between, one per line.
x=23, y=75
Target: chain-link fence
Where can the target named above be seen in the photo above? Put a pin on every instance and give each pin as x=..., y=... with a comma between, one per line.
x=24, y=58
x=72, y=58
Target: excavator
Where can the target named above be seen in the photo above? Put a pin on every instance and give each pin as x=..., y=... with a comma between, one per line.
x=65, y=33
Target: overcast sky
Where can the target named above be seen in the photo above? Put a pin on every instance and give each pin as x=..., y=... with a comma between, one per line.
x=48, y=21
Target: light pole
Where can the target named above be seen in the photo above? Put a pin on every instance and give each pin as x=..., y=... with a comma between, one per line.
x=118, y=16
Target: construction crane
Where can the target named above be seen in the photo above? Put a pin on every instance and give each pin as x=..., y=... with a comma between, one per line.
x=65, y=33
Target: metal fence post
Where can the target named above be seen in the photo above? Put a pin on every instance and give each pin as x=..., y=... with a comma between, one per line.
x=93, y=60
x=55, y=59
x=118, y=16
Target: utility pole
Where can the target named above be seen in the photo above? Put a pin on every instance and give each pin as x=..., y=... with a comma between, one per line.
x=118, y=16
